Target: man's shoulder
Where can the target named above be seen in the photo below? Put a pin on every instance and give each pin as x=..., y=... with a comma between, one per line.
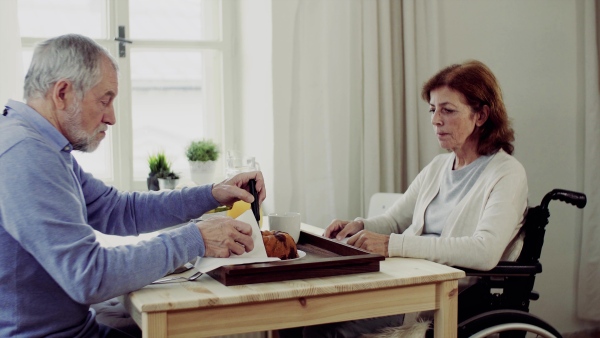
x=14, y=132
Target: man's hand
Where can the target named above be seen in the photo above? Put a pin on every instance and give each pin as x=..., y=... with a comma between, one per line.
x=224, y=236
x=342, y=229
x=371, y=241
x=236, y=188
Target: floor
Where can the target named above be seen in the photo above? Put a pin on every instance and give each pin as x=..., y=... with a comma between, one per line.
x=594, y=333
x=591, y=333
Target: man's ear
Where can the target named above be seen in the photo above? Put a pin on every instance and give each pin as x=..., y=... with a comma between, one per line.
x=482, y=116
x=62, y=93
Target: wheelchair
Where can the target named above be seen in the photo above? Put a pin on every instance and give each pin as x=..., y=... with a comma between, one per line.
x=497, y=305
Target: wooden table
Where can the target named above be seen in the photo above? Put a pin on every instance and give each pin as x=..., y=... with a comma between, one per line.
x=207, y=308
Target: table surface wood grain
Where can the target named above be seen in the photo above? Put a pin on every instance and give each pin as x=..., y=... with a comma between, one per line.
x=401, y=285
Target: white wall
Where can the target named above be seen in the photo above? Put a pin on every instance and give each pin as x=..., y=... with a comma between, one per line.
x=11, y=86
x=255, y=107
x=535, y=49
x=283, y=21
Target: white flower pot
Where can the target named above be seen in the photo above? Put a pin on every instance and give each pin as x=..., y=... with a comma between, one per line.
x=167, y=183
x=202, y=172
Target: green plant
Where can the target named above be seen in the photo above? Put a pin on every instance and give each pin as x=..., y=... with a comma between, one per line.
x=158, y=163
x=160, y=167
x=203, y=151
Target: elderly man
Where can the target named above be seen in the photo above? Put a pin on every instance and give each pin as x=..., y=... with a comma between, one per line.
x=52, y=266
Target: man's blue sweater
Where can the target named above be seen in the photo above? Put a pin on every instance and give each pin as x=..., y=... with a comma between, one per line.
x=52, y=268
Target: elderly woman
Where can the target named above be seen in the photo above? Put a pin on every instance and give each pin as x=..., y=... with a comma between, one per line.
x=466, y=207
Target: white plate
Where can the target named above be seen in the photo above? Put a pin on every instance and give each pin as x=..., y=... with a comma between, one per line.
x=300, y=255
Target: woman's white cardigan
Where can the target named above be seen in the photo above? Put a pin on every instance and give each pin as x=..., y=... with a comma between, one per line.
x=481, y=230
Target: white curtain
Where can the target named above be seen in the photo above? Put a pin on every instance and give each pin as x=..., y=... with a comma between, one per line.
x=357, y=124
x=11, y=60
x=421, y=37
x=588, y=293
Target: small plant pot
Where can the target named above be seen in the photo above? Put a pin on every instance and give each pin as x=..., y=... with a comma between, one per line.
x=152, y=182
x=202, y=172
x=167, y=183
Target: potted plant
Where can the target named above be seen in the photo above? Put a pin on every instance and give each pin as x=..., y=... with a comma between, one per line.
x=167, y=179
x=157, y=163
x=160, y=176
x=202, y=156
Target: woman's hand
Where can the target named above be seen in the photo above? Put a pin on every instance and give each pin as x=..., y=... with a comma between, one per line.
x=371, y=241
x=236, y=188
x=342, y=229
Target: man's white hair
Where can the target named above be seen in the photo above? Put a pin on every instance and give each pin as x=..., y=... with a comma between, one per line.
x=71, y=57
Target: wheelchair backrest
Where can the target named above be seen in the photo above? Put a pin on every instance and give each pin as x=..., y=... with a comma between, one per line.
x=536, y=220
x=534, y=227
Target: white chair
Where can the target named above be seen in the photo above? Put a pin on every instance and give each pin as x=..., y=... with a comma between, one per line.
x=380, y=202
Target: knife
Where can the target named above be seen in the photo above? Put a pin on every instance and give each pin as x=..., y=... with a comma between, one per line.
x=254, y=205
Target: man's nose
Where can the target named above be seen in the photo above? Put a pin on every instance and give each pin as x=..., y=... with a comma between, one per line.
x=109, y=117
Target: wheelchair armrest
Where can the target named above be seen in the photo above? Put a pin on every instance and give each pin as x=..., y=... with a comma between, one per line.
x=506, y=269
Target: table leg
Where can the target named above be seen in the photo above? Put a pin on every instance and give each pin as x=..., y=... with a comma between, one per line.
x=154, y=325
x=446, y=316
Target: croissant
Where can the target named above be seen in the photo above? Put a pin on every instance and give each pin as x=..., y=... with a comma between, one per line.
x=279, y=244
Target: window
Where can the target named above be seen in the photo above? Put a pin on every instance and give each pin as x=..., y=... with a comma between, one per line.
x=171, y=83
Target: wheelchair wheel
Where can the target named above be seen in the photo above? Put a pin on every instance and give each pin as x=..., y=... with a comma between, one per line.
x=506, y=323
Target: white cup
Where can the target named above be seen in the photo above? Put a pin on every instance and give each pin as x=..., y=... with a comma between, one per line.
x=287, y=222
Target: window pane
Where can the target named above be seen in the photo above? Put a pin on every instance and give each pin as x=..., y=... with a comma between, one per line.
x=175, y=20
x=44, y=19
x=168, y=104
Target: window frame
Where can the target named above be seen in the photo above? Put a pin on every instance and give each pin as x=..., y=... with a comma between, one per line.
x=121, y=135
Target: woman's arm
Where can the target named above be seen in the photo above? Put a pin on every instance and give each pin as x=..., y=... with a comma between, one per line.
x=478, y=233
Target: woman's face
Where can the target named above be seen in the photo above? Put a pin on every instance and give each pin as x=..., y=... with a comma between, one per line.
x=453, y=120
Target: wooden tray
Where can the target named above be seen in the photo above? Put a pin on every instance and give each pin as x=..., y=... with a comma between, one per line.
x=324, y=257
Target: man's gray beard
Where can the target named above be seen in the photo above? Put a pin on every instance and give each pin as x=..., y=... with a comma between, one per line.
x=79, y=138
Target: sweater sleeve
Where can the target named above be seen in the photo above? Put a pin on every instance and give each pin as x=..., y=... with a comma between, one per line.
x=48, y=219
x=399, y=217
x=130, y=213
x=478, y=231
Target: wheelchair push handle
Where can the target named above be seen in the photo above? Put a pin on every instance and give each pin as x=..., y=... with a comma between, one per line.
x=576, y=198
